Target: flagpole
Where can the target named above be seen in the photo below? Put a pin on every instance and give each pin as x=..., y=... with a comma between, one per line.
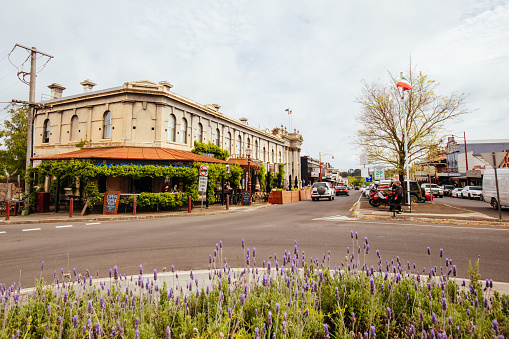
x=406, y=148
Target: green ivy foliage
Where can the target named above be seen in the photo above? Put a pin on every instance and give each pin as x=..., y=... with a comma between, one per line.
x=88, y=173
x=261, y=178
x=201, y=147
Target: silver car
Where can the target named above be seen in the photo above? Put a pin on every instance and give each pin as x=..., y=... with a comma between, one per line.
x=456, y=193
x=322, y=190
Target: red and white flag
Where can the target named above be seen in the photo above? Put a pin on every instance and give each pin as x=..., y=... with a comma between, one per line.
x=403, y=83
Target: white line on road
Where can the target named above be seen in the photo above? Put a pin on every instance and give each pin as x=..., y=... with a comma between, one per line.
x=93, y=223
x=3, y=232
x=31, y=229
x=63, y=226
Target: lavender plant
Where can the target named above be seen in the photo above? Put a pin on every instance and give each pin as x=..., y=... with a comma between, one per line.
x=292, y=298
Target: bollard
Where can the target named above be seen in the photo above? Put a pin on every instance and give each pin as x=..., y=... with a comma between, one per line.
x=71, y=207
x=189, y=204
x=134, y=206
x=227, y=201
x=8, y=210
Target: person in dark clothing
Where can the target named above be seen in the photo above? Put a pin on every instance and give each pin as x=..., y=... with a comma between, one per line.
x=399, y=196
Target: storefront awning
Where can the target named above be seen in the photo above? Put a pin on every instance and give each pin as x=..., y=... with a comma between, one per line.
x=133, y=153
x=243, y=163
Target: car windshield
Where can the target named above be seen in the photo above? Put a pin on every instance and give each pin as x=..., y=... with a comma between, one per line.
x=475, y=188
x=318, y=184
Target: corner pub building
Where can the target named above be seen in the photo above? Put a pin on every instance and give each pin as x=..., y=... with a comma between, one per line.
x=143, y=122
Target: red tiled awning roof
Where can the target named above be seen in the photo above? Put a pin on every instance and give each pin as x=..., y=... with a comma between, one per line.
x=243, y=163
x=133, y=153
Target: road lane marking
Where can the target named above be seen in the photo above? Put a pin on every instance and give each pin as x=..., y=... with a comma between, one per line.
x=31, y=229
x=93, y=223
x=336, y=217
x=3, y=232
x=63, y=226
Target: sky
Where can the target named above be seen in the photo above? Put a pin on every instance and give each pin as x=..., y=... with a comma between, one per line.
x=258, y=58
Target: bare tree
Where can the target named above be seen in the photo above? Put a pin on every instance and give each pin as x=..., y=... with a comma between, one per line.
x=385, y=110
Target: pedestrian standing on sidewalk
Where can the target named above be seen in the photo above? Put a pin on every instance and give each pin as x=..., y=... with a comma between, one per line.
x=399, y=196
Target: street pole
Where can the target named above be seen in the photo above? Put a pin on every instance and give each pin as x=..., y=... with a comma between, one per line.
x=496, y=183
x=249, y=177
x=31, y=103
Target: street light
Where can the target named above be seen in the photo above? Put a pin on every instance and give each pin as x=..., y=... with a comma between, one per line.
x=320, y=154
x=248, y=153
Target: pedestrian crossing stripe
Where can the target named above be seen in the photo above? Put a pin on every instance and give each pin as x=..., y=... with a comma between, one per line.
x=336, y=217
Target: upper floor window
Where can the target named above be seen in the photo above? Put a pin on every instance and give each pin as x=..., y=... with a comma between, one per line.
x=229, y=142
x=107, y=125
x=74, y=128
x=264, y=153
x=273, y=159
x=257, y=156
x=239, y=145
x=45, y=131
x=199, y=132
x=218, y=137
x=183, y=131
x=280, y=157
x=171, y=128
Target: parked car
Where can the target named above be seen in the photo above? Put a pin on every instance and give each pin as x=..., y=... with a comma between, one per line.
x=471, y=192
x=322, y=190
x=341, y=190
x=356, y=188
x=447, y=190
x=489, y=190
x=433, y=189
x=456, y=193
x=415, y=192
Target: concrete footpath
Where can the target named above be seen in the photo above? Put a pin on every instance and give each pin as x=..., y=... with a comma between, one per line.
x=427, y=212
x=63, y=216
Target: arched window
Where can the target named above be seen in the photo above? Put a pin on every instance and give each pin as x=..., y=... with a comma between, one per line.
x=273, y=159
x=239, y=145
x=171, y=128
x=257, y=156
x=74, y=128
x=248, y=143
x=199, y=132
x=280, y=157
x=229, y=142
x=45, y=132
x=218, y=137
x=183, y=131
x=264, y=153
x=107, y=125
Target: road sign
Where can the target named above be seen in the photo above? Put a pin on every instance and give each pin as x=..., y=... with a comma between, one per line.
x=379, y=173
x=495, y=163
x=364, y=172
x=369, y=178
x=202, y=184
x=364, y=159
x=204, y=170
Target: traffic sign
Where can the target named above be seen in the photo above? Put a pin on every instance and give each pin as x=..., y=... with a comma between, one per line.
x=379, y=173
x=495, y=159
x=364, y=159
x=204, y=170
x=202, y=184
x=369, y=178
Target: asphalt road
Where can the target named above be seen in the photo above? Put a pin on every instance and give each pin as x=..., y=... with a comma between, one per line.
x=475, y=205
x=186, y=242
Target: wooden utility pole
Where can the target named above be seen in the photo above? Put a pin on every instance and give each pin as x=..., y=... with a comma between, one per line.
x=31, y=103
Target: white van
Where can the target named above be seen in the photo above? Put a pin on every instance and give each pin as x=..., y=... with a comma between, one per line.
x=489, y=188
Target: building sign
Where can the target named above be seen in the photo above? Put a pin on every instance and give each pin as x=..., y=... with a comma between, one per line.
x=474, y=173
x=110, y=205
x=315, y=174
x=448, y=174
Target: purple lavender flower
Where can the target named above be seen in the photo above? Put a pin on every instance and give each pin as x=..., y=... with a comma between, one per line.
x=243, y=246
x=495, y=326
x=389, y=312
x=242, y=299
x=429, y=251
x=450, y=320
x=90, y=308
x=277, y=308
x=155, y=274
x=49, y=311
x=444, y=304
x=372, y=286
x=433, y=318
x=424, y=335
x=326, y=331
x=269, y=318
x=141, y=269
x=42, y=266
x=441, y=252
x=75, y=321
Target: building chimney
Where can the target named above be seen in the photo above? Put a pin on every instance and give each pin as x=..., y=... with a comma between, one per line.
x=56, y=90
x=88, y=85
x=243, y=120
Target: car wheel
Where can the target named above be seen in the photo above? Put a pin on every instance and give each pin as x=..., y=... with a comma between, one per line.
x=469, y=196
x=494, y=203
x=414, y=199
x=330, y=198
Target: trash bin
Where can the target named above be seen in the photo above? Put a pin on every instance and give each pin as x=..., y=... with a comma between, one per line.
x=42, y=202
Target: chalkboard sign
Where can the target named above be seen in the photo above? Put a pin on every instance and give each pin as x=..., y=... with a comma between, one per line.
x=110, y=205
x=246, y=197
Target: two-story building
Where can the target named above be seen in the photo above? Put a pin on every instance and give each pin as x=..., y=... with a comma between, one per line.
x=158, y=125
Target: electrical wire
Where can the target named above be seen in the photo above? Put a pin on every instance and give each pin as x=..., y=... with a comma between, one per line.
x=14, y=84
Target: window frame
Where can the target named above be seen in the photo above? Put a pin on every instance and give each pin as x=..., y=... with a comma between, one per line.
x=107, y=123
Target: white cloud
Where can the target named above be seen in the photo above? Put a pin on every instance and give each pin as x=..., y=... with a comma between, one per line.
x=256, y=59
